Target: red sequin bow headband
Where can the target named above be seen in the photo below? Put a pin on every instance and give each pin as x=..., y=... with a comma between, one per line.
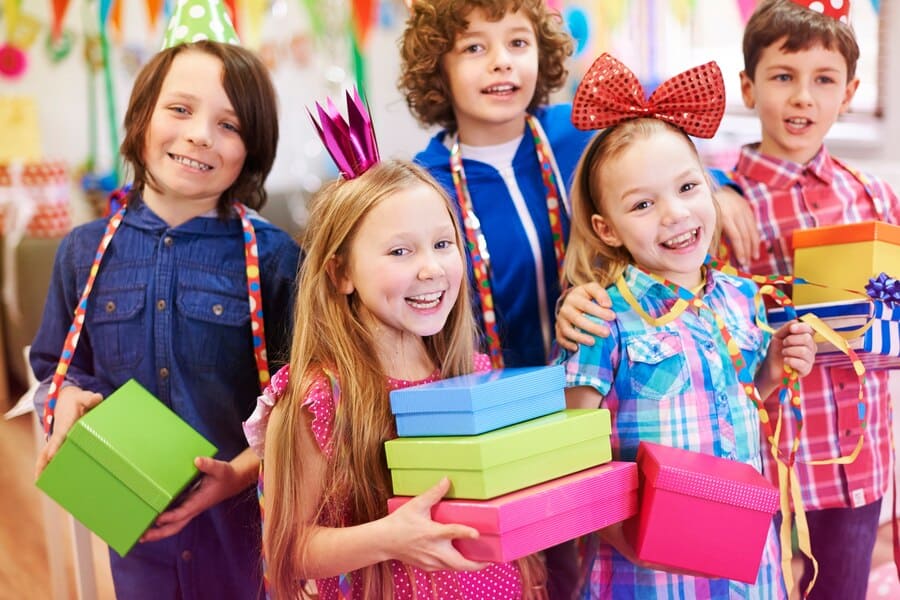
x=610, y=93
x=836, y=9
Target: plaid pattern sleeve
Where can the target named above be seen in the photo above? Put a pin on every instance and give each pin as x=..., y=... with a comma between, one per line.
x=786, y=197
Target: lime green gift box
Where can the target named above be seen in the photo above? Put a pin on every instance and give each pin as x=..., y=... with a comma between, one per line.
x=504, y=460
x=122, y=464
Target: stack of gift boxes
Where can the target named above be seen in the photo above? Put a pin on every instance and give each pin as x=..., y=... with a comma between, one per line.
x=849, y=263
x=528, y=473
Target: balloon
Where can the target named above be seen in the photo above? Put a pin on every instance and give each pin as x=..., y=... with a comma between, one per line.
x=579, y=29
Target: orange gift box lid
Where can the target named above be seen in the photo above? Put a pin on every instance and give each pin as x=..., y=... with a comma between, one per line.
x=845, y=234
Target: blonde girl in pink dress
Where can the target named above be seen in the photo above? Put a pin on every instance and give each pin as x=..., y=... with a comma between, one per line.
x=382, y=303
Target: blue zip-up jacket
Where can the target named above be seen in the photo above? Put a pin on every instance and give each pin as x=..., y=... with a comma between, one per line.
x=169, y=308
x=514, y=266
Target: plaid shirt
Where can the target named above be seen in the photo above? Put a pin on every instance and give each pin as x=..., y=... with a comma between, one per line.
x=675, y=384
x=785, y=197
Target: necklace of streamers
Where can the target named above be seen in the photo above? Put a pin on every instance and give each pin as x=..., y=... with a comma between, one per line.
x=790, y=392
x=476, y=244
x=254, y=294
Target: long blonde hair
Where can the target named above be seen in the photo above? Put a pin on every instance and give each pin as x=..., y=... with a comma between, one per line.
x=328, y=332
x=588, y=258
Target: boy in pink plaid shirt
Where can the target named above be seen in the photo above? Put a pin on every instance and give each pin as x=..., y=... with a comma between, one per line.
x=799, y=75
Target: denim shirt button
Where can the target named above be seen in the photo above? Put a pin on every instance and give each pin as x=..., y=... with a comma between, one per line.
x=186, y=555
x=160, y=305
x=168, y=241
x=164, y=372
x=218, y=309
x=110, y=306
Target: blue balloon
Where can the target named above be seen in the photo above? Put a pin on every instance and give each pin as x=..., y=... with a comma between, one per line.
x=579, y=29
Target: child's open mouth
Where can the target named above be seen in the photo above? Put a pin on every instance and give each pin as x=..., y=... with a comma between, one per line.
x=190, y=162
x=682, y=241
x=425, y=301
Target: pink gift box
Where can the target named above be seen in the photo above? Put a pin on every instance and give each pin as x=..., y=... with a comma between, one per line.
x=543, y=515
x=701, y=513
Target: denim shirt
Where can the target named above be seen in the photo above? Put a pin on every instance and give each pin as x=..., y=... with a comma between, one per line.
x=169, y=308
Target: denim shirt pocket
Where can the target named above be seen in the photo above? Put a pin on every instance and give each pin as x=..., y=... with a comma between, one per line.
x=116, y=324
x=214, y=331
x=657, y=364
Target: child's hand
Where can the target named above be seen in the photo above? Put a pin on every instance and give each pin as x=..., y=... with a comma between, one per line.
x=738, y=225
x=219, y=480
x=792, y=345
x=423, y=543
x=572, y=326
x=71, y=405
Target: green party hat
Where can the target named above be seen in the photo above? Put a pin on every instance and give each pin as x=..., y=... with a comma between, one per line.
x=195, y=20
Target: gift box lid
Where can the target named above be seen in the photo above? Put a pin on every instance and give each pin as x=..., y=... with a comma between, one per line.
x=500, y=446
x=141, y=443
x=478, y=391
x=536, y=503
x=839, y=315
x=845, y=234
x=707, y=477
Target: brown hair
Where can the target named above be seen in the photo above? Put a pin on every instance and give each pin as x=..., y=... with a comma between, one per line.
x=801, y=29
x=329, y=332
x=588, y=258
x=249, y=88
x=431, y=31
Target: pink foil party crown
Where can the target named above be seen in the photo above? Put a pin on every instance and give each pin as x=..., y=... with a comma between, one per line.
x=351, y=142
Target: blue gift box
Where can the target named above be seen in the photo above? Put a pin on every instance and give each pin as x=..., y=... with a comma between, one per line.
x=479, y=402
x=871, y=328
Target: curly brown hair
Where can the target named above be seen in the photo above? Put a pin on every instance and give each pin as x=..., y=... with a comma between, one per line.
x=431, y=31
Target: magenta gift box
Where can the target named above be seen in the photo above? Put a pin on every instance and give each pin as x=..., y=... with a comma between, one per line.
x=701, y=513
x=535, y=518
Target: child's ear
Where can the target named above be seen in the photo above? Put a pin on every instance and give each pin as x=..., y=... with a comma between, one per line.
x=605, y=232
x=849, y=92
x=747, y=90
x=337, y=273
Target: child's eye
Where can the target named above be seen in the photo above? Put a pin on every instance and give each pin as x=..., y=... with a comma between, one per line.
x=231, y=127
x=825, y=79
x=472, y=48
x=181, y=110
x=398, y=252
x=782, y=77
x=443, y=245
x=520, y=43
x=642, y=205
x=687, y=187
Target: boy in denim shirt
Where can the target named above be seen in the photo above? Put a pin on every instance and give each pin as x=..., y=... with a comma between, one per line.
x=799, y=75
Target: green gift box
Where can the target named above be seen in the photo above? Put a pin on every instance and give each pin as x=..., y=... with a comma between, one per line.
x=122, y=464
x=504, y=460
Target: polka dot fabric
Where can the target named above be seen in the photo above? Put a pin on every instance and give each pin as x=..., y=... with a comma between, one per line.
x=610, y=93
x=836, y=9
x=196, y=20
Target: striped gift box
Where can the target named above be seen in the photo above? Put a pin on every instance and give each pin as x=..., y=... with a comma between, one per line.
x=878, y=346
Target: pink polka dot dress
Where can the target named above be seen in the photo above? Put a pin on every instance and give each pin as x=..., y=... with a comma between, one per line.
x=499, y=581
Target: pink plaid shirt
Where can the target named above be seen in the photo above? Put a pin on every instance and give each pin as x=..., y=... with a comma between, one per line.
x=785, y=197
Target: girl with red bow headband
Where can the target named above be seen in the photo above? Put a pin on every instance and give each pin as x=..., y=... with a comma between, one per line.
x=684, y=336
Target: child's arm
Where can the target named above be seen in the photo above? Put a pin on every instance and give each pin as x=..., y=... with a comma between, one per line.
x=72, y=403
x=583, y=396
x=792, y=345
x=572, y=325
x=738, y=224
x=220, y=480
x=408, y=534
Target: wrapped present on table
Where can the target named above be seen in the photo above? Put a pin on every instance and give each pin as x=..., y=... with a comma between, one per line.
x=122, y=464
x=843, y=257
x=541, y=516
x=700, y=513
x=34, y=199
x=871, y=328
x=479, y=402
x=504, y=460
